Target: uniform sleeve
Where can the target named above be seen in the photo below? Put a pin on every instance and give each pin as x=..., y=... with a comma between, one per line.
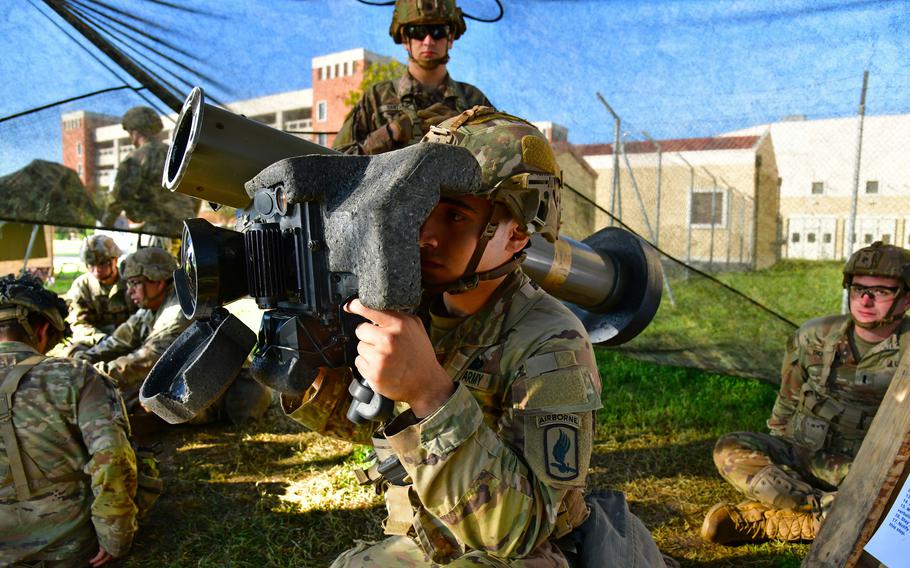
x=125, y=338
x=359, y=134
x=112, y=463
x=324, y=408
x=497, y=497
x=131, y=368
x=126, y=186
x=792, y=377
x=82, y=314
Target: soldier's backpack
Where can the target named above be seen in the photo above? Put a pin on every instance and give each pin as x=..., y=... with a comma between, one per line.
x=149, y=483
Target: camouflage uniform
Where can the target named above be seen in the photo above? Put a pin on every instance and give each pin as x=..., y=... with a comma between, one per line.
x=132, y=350
x=364, y=130
x=137, y=191
x=96, y=309
x=828, y=397
x=517, y=431
x=67, y=469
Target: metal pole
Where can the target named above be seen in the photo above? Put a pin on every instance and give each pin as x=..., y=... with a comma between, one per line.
x=641, y=203
x=644, y=214
x=729, y=219
x=28, y=249
x=657, y=205
x=851, y=223
x=617, y=122
x=689, y=212
x=742, y=229
x=713, y=209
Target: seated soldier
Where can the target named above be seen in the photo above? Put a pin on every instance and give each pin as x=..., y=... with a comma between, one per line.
x=67, y=470
x=132, y=350
x=835, y=374
x=495, y=380
x=97, y=299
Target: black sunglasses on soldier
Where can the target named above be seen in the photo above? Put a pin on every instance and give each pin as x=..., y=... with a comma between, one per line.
x=435, y=31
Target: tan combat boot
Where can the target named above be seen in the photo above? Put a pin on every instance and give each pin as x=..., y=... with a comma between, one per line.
x=750, y=521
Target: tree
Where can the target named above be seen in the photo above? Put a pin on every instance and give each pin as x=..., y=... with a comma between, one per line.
x=374, y=73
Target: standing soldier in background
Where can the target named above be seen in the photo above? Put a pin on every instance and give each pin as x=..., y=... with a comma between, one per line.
x=67, y=470
x=835, y=374
x=137, y=188
x=97, y=299
x=394, y=114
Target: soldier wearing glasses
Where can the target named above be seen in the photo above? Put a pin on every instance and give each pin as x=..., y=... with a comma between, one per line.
x=835, y=373
x=394, y=114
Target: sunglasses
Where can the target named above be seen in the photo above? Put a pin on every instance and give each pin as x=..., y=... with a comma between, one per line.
x=435, y=31
x=134, y=283
x=877, y=293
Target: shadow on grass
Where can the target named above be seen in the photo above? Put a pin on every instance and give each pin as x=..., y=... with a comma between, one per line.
x=624, y=465
x=244, y=524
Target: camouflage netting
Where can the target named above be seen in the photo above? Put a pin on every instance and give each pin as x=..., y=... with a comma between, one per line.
x=745, y=261
x=45, y=192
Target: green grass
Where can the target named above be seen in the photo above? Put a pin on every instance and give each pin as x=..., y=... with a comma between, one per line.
x=275, y=495
x=62, y=281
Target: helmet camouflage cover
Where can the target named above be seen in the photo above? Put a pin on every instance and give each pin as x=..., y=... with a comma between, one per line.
x=518, y=167
x=23, y=295
x=426, y=12
x=142, y=119
x=154, y=263
x=879, y=259
x=97, y=249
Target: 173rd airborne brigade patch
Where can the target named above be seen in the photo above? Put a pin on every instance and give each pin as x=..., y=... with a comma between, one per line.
x=560, y=438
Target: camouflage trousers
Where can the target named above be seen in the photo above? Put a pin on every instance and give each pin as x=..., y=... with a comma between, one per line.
x=403, y=551
x=778, y=474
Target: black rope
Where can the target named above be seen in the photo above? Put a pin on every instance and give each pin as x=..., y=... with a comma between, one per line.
x=683, y=264
x=69, y=100
x=496, y=19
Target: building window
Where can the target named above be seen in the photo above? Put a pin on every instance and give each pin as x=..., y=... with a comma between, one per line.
x=322, y=139
x=322, y=110
x=345, y=69
x=337, y=69
x=320, y=74
x=818, y=187
x=700, y=212
x=794, y=238
x=886, y=239
x=871, y=187
x=867, y=238
x=79, y=169
x=810, y=238
x=78, y=148
x=826, y=238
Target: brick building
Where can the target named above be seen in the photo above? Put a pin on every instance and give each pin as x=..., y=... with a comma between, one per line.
x=95, y=144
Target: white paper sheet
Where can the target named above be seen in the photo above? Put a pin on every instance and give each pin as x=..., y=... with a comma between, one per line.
x=890, y=544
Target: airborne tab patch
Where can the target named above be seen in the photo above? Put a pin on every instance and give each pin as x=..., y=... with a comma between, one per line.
x=565, y=419
x=561, y=452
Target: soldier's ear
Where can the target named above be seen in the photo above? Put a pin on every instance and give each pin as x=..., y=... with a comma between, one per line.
x=518, y=239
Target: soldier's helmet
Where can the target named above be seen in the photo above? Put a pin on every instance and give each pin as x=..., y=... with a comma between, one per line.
x=426, y=12
x=97, y=249
x=154, y=263
x=21, y=296
x=879, y=259
x=518, y=167
x=142, y=119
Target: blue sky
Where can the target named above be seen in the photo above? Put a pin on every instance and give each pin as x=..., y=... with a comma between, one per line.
x=674, y=68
